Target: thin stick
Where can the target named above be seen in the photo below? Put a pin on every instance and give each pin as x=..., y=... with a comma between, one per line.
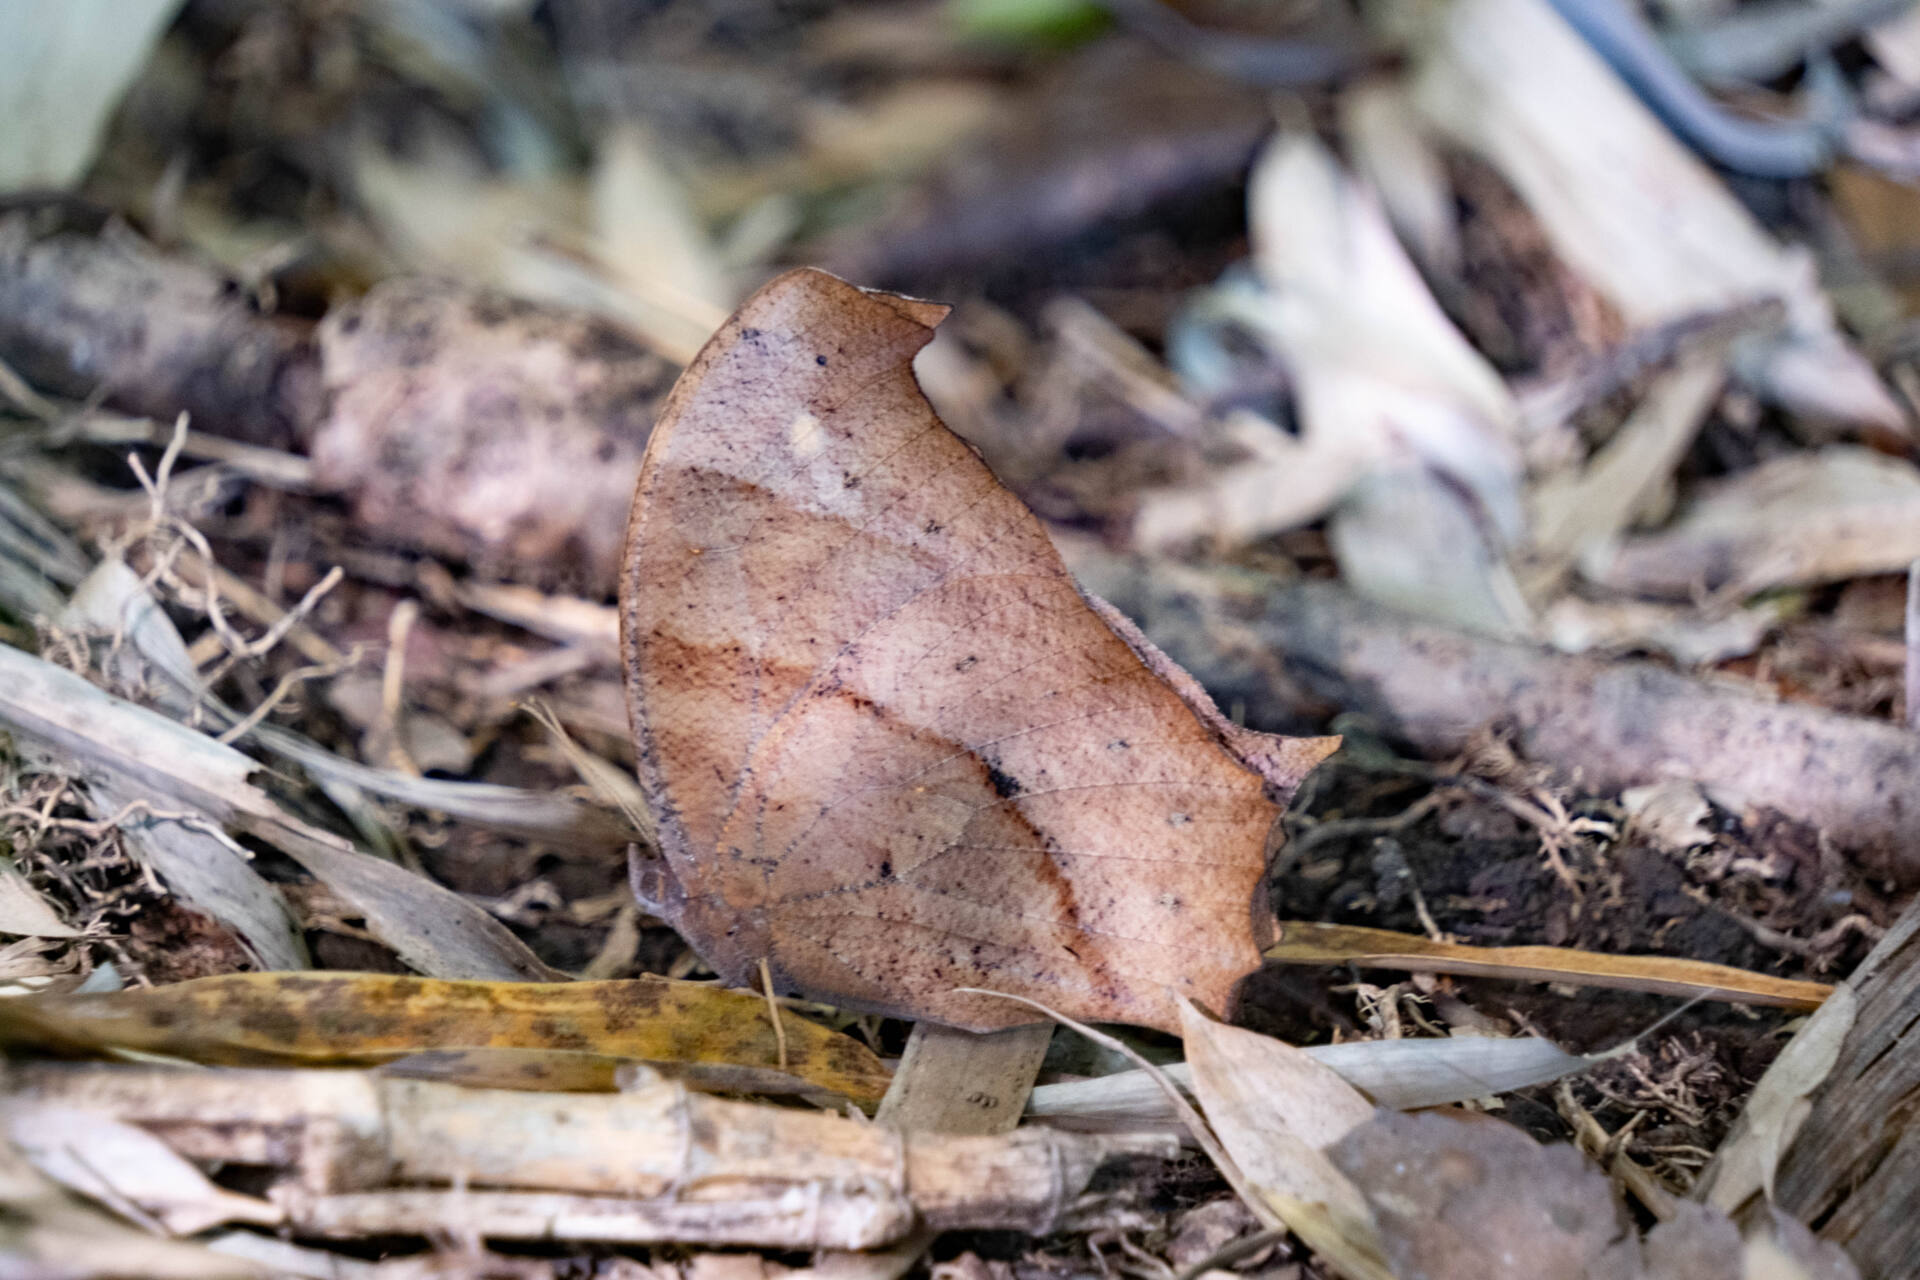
x=773, y=1011
x=288, y=682
x=393, y=679
x=1913, y=645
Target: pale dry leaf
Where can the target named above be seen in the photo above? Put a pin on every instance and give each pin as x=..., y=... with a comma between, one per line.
x=527, y=238
x=647, y=235
x=1779, y=1247
x=1576, y=510
x=1277, y=483
x=112, y=602
x=1672, y=814
x=67, y=66
x=48, y=1234
x=1382, y=378
x=143, y=652
x=1750, y=1156
x=120, y=1164
x=1404, y=1074
x=204, y=868
x=1896, y=47
x=1376, y=362
x=1623, y=201
x=29, y=966
x=891, y=748
x=1407, y=538
x=1805, y=518
x=1277, y=1112
x=24, y=911
x=106, y=738
x=1391, y=149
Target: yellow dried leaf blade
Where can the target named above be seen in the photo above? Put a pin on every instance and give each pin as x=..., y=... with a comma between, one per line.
x=578, y=1071
x=1303, y=942
x=369, y=1018
x=531, y=1070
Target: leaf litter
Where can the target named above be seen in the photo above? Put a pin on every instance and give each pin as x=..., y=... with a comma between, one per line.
x=1611, y=485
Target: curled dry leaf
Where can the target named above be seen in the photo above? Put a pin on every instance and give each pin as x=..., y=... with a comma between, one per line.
x=892, y=749
x=1463, y=1196
x=361, y=1019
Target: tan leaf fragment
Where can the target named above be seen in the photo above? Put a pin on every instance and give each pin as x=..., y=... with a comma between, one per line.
x=1277, y=1111
x=1844, y=512
x=1749, y=1157
x=891, y=748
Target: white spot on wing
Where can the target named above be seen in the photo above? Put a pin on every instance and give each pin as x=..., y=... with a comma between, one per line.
x=805, y=436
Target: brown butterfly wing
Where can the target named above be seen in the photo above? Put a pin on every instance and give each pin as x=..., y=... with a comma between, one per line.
x=891, y=749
